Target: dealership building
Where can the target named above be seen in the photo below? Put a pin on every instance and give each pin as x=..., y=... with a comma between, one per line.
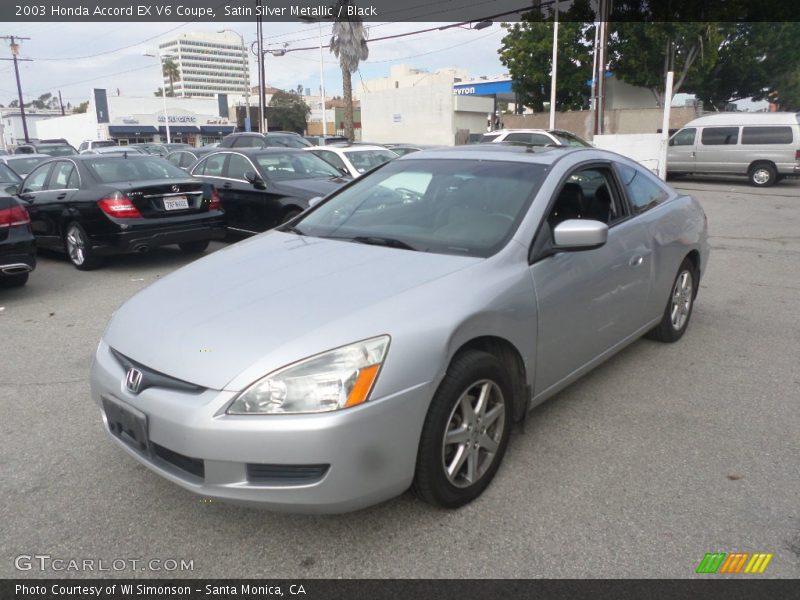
x=132, y=120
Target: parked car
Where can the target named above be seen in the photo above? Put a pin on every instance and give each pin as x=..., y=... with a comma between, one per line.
x=403, y=149
x=324, y=140
x=391, y=335
x=17, y=244
x=186, y=157
x=8, y=178
x=763, y=146
x=177, y=146
x=22, y=164
x=260, y=140
x=354, y=159
x=115, y=150
x=49, y=148
x=92, y=144
x=154, y=149
x=93, y=205
x=264, y=187
x=536, y=137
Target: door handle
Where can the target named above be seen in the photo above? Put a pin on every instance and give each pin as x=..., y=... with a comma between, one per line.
x=636, y=261
x=61, y=196
x=227, y=186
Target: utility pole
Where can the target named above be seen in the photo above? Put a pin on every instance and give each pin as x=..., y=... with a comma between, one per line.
x=554, y=70
x=61, y=103
x=262, y=81
x=15, y=53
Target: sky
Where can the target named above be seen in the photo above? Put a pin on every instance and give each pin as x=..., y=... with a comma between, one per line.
x=76, y=57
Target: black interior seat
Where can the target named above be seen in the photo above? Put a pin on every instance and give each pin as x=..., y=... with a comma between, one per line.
x=601, y=205
x=568, y=205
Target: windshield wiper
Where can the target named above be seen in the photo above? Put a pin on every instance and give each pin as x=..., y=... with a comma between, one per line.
x=292, y=229
x=382, y=241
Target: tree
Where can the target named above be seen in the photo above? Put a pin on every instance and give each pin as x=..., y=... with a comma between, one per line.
x=289, y=111
x=82, y=107
x=171, y=70
x=159, y=93
x=641, y=54
x=349, y=45
x=527, y=51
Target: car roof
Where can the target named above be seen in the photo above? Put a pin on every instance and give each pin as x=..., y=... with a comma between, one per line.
x=21, y=156
x=545, y=155
x=356, y=147
x=746, y=118
x=268, y=150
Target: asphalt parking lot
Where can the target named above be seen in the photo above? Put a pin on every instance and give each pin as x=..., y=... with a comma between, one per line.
x=660, y=455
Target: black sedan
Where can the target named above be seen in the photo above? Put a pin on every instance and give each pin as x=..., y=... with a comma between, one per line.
x=93, y=205
x=17, y=244
x=264, y=187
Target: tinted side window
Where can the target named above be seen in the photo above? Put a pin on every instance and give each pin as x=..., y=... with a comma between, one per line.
x=212, y=166
x=36, y=180
x=175, y=159
x=238, y=165
x=685, y=137
x=74, y=181
x=61, y=176
x=767, y=135
x=720, y=136
x=248, y=141
x=186, y=159
x=643, y=192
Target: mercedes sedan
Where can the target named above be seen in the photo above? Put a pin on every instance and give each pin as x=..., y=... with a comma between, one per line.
x=390, y=336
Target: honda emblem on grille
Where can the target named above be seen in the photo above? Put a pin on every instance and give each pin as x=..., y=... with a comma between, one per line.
x=176, y=188
x=133, y=380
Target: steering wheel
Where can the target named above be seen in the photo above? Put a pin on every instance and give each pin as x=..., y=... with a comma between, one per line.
x=409, y=195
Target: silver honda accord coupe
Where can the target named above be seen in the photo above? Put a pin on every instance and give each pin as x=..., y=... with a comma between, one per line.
x=391, y=335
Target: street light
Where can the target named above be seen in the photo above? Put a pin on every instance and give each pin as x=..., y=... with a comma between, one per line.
x=244, y=50
x=161, y=58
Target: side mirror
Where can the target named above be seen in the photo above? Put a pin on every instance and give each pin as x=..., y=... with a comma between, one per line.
x=12, y=190
x=579, y=234
x=255, y=180
x=672, y=141
x=344, y=171
x=26, y=196
x=314, y=201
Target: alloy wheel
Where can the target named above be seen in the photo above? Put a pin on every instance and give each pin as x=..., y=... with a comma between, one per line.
x=761, y=176
x=75, y=245
x=473, y=433
x=681, y=300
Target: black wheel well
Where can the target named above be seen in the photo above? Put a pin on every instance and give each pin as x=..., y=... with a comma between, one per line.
x=694, y=258
x=762, y=161
x=508, y=354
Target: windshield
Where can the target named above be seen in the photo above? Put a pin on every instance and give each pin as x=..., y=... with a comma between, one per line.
x=7, y=176
x=277, y=166
x=364, y=160
x=466, y=207
x=114, y=169
x=56, y=150
x=287, y=141
x=569, y=139
x=26, y=165
x=103, y=143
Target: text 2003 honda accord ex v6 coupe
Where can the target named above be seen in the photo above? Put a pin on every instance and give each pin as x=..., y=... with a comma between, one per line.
x=390, y=335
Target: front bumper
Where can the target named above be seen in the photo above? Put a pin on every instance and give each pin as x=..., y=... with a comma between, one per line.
x=348, y=459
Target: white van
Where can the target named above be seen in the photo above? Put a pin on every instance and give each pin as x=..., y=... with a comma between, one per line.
x=763, y=146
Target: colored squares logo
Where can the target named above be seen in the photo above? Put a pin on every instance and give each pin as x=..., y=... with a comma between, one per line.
x=735, y=562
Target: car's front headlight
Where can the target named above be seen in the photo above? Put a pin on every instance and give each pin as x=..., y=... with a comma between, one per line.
x=332, y=380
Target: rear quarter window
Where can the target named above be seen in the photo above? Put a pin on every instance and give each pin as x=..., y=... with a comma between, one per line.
x=643, y=192
x=767, y=135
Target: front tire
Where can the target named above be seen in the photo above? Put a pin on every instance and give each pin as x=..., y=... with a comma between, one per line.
x=762, y=175
x=194, y=247
x=79, y=248
x=679, y=306
x=466, y=431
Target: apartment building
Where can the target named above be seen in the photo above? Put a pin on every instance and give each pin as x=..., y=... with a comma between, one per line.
x=209, y=64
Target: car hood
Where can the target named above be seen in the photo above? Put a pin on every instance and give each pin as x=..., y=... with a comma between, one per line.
x=275, y=294
x=307, y=188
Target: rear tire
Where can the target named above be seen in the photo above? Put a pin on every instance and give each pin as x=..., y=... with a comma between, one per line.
x=194, y=247
x=762, y=175
x=679, y=305
x=12, y=281
x=79, y=248
x=466, y=431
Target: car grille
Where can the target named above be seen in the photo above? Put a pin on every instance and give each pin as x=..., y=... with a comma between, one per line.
x=152, y=378
x=193, y=466
x=285, y=474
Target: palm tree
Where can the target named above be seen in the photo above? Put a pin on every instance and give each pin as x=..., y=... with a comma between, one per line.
x=349, y=45
x=171, y=70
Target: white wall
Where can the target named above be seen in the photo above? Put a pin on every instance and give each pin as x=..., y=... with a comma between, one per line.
x=644, y=148
x=421, y=114
x=74, y=128
x=624, y=95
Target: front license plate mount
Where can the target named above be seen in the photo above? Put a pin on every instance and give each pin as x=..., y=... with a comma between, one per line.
x=127, y=424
